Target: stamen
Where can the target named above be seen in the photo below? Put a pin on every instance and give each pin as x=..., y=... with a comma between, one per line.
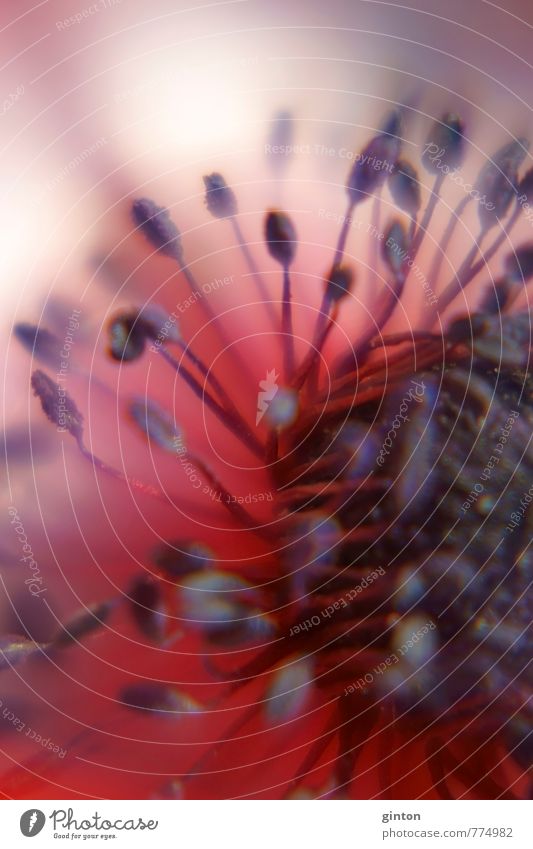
x=183, y=557
x=497, y=182
x=159, y=425
x=395, y=248
x=15, y=649
x=405, y=190
x=445, y=144
x=217, y=386
x=373, y=249
x=283, y=409
x=147, y=607
x=92, y=618
x=250, y=261
x=281, y=239
x=127, y=339
x=221, y=604
x=337, y=286
x=443, y=244
x=289, y=690
x=399, y=338
x=443, y=152
x=220, y=199
x=130, y=330
x=496, y=186
x=312, y=756
x=310, y=362
x=230, y=418
x=519, y=264
x=525, y=195
x=156, y=698
x=129, y=333
x=157, y=226
x=365, y=179
x=395, y=251
x=162, y=233
x=41, y=343
x=222, y=203
x=57, y=405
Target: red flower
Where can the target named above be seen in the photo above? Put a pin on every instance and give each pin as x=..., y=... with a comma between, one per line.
x=317, y=584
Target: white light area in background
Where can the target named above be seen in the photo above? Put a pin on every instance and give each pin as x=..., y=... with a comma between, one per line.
x=18, y=219
x=185, y=107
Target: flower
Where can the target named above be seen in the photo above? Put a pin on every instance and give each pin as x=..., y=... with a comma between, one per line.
x=331, y=596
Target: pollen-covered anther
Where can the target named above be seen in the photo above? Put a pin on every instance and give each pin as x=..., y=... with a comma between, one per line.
x=283, y=409
x=374, y=163
x=224, y=607
x=498, y=181
x=339, y=283
x=57, y=404
x=281, y=238
x=518, y=265
x=160, y=699
x=289, y=690
x=148, y=608
x=405, y=187
x=384, y=591
x=87, y=621
x=157, y=226
x=220, y=199
x=158, y=425
x=41, y=343
x=127, y=338
x=445, y=145
x=395, y=248
x=15, y=649
x=178, y=558
x=130, y=331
